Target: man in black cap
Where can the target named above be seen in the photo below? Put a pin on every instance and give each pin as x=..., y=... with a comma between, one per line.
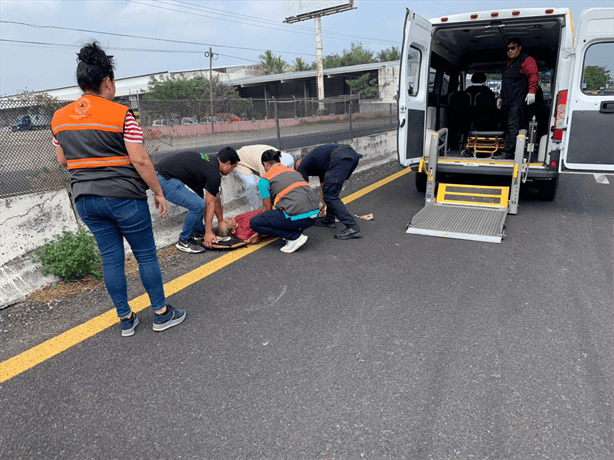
x=519, y=85
x=333, y=164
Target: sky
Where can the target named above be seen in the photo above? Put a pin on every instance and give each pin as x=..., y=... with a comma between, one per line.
x=40, y=39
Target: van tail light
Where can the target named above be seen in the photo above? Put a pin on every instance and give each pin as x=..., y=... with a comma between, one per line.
x=559, y=120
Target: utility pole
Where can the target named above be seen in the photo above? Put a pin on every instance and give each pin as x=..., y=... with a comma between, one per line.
x=319, y=64
x=302, y=11
x=210, y=54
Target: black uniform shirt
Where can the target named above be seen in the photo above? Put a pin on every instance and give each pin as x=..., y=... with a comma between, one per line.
x=316, y=162
x=196, y=170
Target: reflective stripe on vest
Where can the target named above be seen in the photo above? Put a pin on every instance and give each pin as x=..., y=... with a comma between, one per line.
x=86, y=126
x=98, y=162
x=276, y=170
x=288, y=189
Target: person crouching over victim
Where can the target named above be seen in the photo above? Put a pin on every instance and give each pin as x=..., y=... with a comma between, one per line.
x=290, y=205
x=202, y=173
x=250, y=169
x=333, y=164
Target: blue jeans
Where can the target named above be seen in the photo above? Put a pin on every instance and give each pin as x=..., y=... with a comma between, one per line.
x=250, y=182
x=177, y=193
x=275, y=223
x=111, y=220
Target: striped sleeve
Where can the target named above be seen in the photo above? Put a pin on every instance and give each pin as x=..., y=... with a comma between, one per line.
x=133, y=133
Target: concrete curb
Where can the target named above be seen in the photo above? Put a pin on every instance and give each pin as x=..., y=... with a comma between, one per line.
x=30, y=219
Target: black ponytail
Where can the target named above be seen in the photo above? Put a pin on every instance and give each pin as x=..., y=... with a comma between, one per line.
x=271, y=155
x=93, y=67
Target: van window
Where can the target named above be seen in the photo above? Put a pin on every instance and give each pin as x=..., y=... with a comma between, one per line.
x=414, y=58
x=598, y=69
x=445, y=83
x=432, y=75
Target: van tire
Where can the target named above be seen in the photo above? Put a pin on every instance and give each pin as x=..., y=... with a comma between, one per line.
x=421, y=181
x=547, y=189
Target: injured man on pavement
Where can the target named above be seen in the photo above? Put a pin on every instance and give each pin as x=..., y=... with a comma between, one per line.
x=239, y=227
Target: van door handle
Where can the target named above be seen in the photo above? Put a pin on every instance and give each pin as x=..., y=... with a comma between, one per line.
x=607, y=107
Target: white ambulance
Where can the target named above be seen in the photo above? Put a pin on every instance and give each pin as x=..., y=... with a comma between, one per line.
x=449, y=136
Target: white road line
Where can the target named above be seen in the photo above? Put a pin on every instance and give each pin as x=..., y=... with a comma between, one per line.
x=601, y=178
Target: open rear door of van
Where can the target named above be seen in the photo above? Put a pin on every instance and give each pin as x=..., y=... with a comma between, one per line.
x=589, y=141
x=413, y=88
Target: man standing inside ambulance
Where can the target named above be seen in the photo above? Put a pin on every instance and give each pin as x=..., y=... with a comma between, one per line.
x=518, y=87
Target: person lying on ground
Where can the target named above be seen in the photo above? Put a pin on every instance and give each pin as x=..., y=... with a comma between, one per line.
x=239, y=227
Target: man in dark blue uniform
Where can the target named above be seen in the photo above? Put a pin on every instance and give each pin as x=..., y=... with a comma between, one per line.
x=333, y=164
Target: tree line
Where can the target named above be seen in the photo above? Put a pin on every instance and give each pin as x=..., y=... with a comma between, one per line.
x=356, y=55
x=176, y=88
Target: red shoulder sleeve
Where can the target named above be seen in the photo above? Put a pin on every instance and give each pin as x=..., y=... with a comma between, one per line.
x=529, y=68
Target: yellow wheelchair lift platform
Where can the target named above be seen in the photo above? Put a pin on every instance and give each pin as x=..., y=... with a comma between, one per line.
x=466, y=212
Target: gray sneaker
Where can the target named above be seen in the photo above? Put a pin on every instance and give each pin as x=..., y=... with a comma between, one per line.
x=190, y=245
x=170, y=318
x=128, y=325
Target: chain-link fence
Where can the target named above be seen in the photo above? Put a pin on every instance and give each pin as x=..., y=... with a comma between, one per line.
x=28, y=162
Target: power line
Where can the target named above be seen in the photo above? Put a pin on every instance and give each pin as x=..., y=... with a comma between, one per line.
x=114, y=48
x=254, y=21
x=183, y=42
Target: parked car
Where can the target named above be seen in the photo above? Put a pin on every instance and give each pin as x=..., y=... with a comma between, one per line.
x=165, y=122
x=231, y=117
x=22, y=123
x=40, y=121
x=215, y=120
x=189, y=121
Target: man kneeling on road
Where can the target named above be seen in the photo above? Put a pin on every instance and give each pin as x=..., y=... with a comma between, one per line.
x=296, y=205
x=333, y=164
x=202, y=173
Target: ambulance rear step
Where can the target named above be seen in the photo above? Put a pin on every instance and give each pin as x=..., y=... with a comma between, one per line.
x=465, y=212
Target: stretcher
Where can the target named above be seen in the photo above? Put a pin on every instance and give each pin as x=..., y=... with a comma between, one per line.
x=484, y=143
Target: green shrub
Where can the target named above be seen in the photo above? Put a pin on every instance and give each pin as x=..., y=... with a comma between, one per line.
x=70, y=256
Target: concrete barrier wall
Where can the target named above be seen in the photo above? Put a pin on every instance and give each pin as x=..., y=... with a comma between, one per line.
x=26, y=221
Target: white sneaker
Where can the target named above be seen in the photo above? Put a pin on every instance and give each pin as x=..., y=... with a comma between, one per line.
x=293, y=245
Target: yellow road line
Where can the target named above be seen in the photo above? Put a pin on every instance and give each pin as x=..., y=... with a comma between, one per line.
x=56, y=345
x=48, y=349
x=378, y=184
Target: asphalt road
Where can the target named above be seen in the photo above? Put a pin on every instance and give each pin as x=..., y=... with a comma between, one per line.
x=391, y=346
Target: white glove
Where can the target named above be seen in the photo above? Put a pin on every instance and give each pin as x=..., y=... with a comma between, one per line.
x=530, y=99
x=499, y=102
